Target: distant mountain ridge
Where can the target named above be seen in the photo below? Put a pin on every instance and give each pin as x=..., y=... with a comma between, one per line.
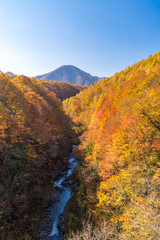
x=71, y=74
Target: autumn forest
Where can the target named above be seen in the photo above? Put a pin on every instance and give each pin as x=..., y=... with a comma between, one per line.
x=116, y=124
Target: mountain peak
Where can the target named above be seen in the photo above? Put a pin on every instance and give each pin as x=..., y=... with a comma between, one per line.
x=71, y=74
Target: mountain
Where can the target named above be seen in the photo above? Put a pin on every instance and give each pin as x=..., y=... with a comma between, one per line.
x=71, y=74
x=119, y=118
x=35, y=140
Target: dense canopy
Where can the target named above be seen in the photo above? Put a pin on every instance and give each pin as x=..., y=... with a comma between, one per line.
x=120, y=118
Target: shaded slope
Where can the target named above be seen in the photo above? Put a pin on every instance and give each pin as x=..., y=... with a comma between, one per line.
x=61, y=89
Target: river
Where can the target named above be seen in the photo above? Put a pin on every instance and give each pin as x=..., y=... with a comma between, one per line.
x=63, y=186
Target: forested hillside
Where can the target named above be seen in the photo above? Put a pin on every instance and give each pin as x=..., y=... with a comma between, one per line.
x=35, y=140
x=119, y=119
x=117, y=183
x=61, y=89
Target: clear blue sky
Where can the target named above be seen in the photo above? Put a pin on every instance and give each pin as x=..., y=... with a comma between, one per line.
x=99, y=36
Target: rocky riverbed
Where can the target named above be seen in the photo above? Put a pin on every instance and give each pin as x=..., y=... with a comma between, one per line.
x=53, y=225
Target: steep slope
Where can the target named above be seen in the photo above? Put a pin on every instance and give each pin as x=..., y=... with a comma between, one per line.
x=35, y=140
x=71, y=74
x=61, y=89
x=120, y=118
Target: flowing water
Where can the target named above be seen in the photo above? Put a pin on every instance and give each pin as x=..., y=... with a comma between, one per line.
x=63, y=186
